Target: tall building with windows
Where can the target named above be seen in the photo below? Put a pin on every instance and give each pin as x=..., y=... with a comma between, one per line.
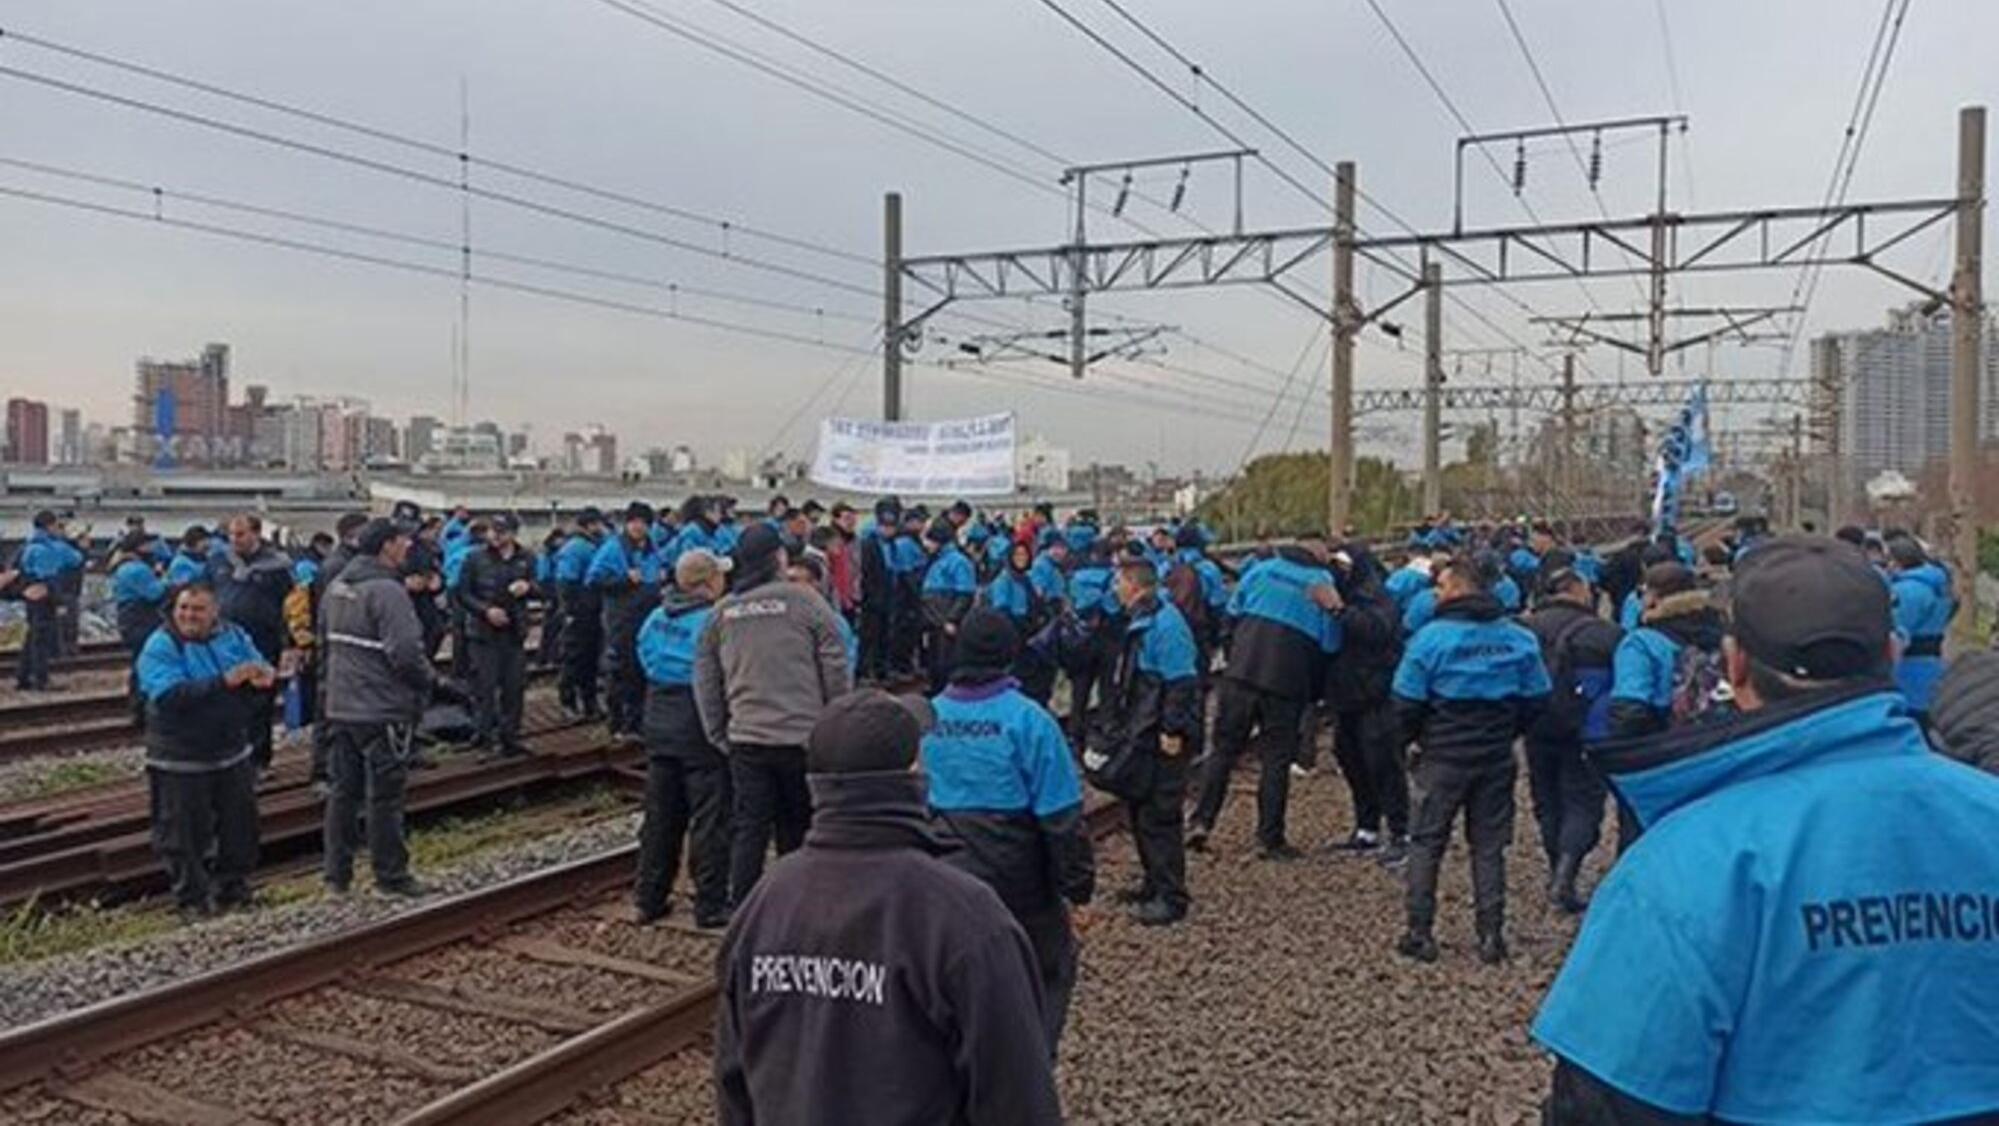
x=27, y=432
x=1887, y=391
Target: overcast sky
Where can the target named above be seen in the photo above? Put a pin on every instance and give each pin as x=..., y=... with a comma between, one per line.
x=593, y=94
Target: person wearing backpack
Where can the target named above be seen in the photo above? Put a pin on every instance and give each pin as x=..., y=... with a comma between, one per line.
x=1193, y=583
x=1667, y=672
x=1285, y=629
x=1578, y=647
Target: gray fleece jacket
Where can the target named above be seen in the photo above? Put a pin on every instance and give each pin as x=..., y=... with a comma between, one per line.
x=770, y=659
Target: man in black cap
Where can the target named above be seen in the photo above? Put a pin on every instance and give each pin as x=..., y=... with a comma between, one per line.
x=770, y=660
x=493, y=590
x=865, y=980
x=1806, y=931
x=378, y=680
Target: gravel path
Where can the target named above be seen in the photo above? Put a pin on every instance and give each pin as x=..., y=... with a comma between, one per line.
x=1279, y=1000
x=23, y=779
x=39, y=990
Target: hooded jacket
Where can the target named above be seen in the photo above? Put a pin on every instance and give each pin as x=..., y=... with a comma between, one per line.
x=770, y=659
x=1370, y=648
x=949, y=586
x=1282, y=637
x=1923, y=607
x=1641, y=691
x=669, y=639
x=864, y=982
x=1808, y=931
x=1004, y=785
x=1470, y=683
x=376, y=667
x=194, y=722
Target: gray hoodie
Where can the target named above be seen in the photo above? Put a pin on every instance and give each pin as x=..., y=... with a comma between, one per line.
x=376, y=669
x=771, y=658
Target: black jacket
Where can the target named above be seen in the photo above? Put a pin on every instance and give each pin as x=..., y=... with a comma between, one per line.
x=878, y=578
x=483, y=585
x=251, y=593
x=866, y=983
x=1370, y=646
x=1142, y=706
x=1591, y=645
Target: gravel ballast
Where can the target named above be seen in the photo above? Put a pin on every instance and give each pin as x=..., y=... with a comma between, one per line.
x=39, y=990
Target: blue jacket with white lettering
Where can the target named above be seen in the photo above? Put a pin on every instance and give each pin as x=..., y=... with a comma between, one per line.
x=1470, y=682
x=1282, y=637
x=1808, y=931
x=1923, y=609
x=1004, y=784
x=866, y=982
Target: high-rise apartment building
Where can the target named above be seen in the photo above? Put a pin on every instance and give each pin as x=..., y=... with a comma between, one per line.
x=27, y=432
x=186, y=403
x=1889, y=390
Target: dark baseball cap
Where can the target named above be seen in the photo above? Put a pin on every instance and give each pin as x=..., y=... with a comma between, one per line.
x=758, y=543
x=377, y=533
x=1810, y=607
x=507, y=522
x=867, y=730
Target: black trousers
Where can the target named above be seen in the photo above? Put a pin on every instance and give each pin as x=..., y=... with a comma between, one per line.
x=548, y=650
x=1274, y=721
x=1568, y=798
x=38, y=649
x=624, y=678
x=874, y=630
x=769, y=799
x=1036, y=675
x=499, y=670
x=905, y=631
x=262, y=707
x=582, y=647
x=1055, y=955
x=134, y=628
x=1484, y=791
x=687, y=797
x=195, y=814
x=1084, y=676
x=369, y=768
x=1157, y=833
x=1367, y=743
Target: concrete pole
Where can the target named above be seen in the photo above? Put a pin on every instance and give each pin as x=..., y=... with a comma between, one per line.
x=1339, y=496
x=1433, y=388
x=1078, y=358
x=1967, y=316
x=892, y=307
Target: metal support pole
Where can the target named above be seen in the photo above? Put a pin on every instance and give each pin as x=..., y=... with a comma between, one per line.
x=892, y=307
x=1078, y=358
x=1338, y=497
x=1568, y=466
x=1655, y=350
x=1967, y=317
x=1433, y=388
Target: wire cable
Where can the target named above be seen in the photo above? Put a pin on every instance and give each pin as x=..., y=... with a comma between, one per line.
x=727, y=226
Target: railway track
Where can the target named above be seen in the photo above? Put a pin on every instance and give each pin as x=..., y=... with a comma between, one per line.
x=498, y=1007
x=98, y=842
x=90, y=656
x=92, y=721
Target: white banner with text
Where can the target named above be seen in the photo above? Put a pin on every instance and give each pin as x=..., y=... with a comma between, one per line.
x=956, y=457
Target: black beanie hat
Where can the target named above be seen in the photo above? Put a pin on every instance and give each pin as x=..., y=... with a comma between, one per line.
x=987, y=640
x=866, y=731
x=940, y=532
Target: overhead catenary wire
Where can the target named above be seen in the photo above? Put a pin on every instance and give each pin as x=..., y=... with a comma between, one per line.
x=436, y=181
x=162, y=195
x=348, y=125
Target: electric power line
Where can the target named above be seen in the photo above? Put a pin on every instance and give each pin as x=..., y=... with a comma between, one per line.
x=726, y=226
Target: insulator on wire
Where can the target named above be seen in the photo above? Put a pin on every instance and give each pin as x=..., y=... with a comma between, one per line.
x=1180, y=188
x=1123, y=194
x=1519, y=166
x=1595, y=161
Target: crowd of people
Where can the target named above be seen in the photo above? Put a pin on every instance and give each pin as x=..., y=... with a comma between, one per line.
x=914, y=704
